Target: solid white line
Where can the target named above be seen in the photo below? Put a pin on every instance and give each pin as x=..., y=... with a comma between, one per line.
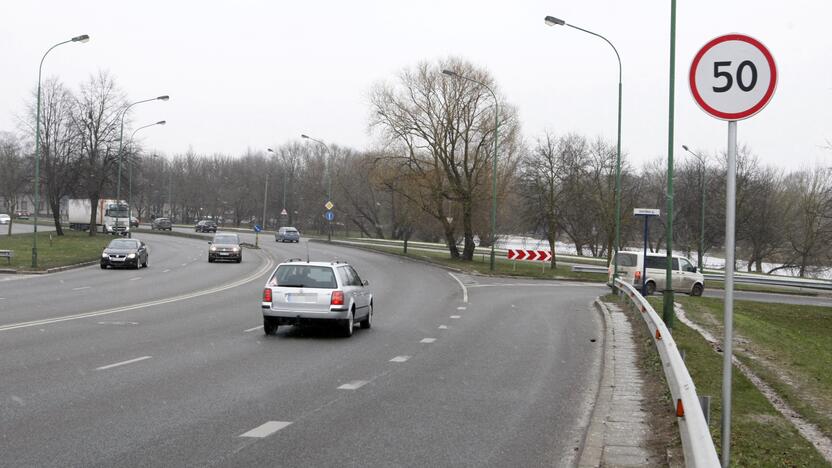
x=443, y=327
x=427, y=340
x=464, y=289
x=131, y=361
x=136, y=278
x=354, y=385
x=266, y=429
x=266, y=268
x=258, y=327
x=455, y=316
x=400, y=359
x=82, y=287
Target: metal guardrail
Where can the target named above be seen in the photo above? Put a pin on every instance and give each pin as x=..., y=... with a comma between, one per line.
x=697, y=444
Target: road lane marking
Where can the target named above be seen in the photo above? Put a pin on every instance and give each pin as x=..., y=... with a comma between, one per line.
x=118, y=323
x=427, y=340
x=267, y=429
x=131, y=361
x=443, y=327
x=268, y=265
x=166, y=271
x=455, y=316
x=184, y=264
x=400, y=359
x=354, y=385
x=258, y=327
x=461, y=308
x=82, y=288
x=464, y=289
x=136, y=278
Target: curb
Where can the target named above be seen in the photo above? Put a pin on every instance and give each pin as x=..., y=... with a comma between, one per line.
x=50, y=270
x=592, y=448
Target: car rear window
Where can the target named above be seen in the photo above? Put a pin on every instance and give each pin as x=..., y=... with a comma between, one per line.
x=626, y=259
x=304, y=276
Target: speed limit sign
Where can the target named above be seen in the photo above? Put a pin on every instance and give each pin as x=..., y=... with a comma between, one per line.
x=733, y=77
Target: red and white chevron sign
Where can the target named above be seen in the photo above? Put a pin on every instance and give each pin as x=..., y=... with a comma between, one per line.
x=521, y=254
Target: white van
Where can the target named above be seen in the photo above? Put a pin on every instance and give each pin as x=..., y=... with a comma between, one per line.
x=686, y=278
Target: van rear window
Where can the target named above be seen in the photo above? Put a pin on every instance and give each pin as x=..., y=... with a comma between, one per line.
x=624, y=259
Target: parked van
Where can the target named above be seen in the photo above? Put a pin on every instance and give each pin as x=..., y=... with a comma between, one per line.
x=685, y=277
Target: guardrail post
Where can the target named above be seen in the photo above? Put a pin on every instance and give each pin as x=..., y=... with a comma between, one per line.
x=705, y=403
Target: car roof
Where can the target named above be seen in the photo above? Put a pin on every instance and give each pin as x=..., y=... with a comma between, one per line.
x=333, y=264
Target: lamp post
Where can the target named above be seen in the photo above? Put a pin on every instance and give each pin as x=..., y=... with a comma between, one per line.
x=130, y=179
x=285, y=173
x=701, y=252
x=120, y=146
x=494, y=159
x=552, y=21
x=82, y=38
x=329, y=179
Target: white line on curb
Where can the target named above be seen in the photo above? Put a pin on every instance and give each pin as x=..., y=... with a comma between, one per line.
x=464, y=289
x=266, y=429
x=131, y=361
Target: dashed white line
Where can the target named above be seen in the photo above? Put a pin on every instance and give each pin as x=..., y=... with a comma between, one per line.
x=400, y=359
x=136, y=278
x=461, y=308
x=455, y=316
x=427, y=340
x=166, y=271
x=443, y=327
x=354, y=385
x=81, y=288
x=258, y=327
x=184, y=264
x=464, y=289
x=267, y=429
x=131, y=361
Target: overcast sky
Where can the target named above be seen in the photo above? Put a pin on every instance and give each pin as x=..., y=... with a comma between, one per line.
x=250, y=74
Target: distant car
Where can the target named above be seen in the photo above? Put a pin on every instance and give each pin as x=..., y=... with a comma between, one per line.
x=22, y=214
x=5, y=219
x=225, y=246
x=301, y=292
x=134, y=222
x=287, y=234
x=206, y=225
x=161, y=224
x=127, y=253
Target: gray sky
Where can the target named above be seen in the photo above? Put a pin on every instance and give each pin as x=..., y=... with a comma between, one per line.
x=250, y=74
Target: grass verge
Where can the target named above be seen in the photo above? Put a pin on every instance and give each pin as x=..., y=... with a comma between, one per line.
x=53, y=251
x=502, y=267
x=760, y=436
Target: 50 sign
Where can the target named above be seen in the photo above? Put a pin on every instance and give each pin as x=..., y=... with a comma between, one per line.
x=733, y=77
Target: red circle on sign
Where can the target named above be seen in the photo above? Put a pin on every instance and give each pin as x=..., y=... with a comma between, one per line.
x=753, y=109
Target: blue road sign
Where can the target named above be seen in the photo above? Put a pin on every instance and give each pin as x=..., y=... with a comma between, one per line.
x=329, y=215
x=257, y=228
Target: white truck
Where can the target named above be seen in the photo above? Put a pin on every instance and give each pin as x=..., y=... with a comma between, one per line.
x=112, y=215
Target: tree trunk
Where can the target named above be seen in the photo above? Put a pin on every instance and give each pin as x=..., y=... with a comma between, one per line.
x=93, y=212
x=450, y=239
x=552, y=238
x=468, y=231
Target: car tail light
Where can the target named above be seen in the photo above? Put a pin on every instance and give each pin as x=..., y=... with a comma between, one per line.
x=267, y=295
x=638, y=276
x=337, y=298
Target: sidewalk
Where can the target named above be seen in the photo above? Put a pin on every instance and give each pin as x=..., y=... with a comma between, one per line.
x=620, y=433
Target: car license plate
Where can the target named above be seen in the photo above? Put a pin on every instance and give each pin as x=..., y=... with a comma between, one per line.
x=301, y=298
x=224, y=254
x=116, y=259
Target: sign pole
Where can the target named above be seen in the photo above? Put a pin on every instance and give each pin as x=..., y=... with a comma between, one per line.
x=727, y=354
x=644, y=262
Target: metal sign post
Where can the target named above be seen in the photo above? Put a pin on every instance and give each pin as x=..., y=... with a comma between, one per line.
x=731, y=78
x=647, y=213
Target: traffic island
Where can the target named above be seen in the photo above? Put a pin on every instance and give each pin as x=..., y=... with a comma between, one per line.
x=73, y=249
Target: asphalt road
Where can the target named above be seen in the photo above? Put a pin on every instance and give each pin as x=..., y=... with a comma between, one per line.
x=169, y=366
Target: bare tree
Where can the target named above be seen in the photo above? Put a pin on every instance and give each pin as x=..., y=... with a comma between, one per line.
x=541, y=184
x=15, y=174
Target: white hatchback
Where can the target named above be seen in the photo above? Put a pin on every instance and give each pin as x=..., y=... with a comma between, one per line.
x=301, y=293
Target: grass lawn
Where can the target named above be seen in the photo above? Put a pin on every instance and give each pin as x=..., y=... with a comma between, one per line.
x=69, y=249
x=788, y=346
x=502, y=266
x=760, y=435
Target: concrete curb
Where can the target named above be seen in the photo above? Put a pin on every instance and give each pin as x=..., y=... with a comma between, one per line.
x=50, y=270
x=592, y=448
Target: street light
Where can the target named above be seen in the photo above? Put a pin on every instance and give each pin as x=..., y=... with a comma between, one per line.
x=285, y=172
x=328, y=176
x=130, y=177
x=701, y=252
x=552, y=21
x=82, y=38
x=494, y=159
x=120, y=135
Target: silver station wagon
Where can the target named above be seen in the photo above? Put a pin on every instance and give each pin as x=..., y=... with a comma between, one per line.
x=300, y=293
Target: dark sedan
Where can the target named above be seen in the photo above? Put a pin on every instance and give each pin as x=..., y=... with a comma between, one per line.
x=161, y=224
x=127, y=253
x=206, y=226
x=225, y=246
